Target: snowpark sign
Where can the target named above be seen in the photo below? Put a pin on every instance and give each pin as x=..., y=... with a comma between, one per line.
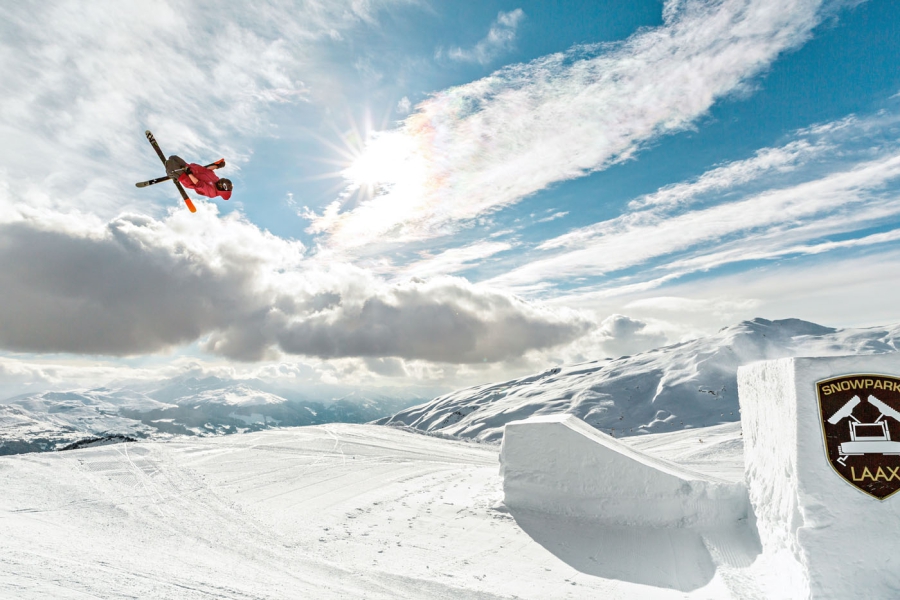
x=826, y=538
x=860, y=417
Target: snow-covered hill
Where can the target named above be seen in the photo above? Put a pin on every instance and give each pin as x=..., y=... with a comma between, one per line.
x=687, y=385
x=187, y=406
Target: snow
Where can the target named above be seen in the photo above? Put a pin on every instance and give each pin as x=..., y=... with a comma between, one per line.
x=687, y=385
x=826, y=538
x=233, y=396
x=44, y=421
x=670, y=506
x=50, y=420
x=560, y=465
x=253, y=418
x=332, y=511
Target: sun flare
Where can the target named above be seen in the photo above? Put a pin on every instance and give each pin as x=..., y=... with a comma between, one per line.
x=388, y=158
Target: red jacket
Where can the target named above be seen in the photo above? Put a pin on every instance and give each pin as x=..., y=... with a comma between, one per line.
x=206, y=182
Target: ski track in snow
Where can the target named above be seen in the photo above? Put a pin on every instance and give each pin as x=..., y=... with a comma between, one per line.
x=336, y=511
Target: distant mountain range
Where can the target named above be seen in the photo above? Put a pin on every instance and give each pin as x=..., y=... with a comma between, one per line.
x=687, y=385
x=692, y=384
x=185, y=406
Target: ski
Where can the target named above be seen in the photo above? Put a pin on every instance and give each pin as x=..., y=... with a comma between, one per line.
x=152, y=181
x=162, y=157
x=215, y=165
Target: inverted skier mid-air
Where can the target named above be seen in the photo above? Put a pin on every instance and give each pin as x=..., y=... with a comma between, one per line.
x=196, y=177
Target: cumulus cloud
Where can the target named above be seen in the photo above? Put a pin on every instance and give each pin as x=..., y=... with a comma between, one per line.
x=476, y=148
x=499, y=39
x=137, y=284
x=446, y=319
x=132, y=285
x=620, y=335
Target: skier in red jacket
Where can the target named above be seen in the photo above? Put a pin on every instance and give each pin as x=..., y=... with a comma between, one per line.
x=199, y=178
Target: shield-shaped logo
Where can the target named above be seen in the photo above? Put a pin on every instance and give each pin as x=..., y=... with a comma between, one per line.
x=861, y=424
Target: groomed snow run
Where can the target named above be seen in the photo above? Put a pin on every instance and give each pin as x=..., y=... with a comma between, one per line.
x=337, y=511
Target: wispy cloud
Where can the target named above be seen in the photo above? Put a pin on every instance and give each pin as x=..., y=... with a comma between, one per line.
x=454, y=259
x=635, y=239
x=499, y=39
x=82, y=82
x=765, y=162
x=477, y=148
x=554, y=216
x=844, y=291
x=815, y=193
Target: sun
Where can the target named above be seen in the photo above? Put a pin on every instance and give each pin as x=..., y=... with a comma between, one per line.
x=387, y=158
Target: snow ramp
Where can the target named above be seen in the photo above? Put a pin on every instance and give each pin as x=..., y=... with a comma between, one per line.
x=560, y=465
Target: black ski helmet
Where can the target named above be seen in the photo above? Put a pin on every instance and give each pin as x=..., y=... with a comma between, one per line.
x=224, y=185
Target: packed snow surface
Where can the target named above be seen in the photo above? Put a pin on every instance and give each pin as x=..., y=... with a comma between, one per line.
x=335, y=511
x=687, y=385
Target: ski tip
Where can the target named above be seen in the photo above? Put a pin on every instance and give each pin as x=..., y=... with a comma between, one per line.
x=147, y=132
x=190, y=205
x=139, y=184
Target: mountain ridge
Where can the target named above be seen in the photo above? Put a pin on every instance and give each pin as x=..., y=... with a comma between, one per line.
x=685, y=385
x=51, y=420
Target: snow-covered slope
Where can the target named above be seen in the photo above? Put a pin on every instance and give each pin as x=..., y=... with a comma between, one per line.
x=332, y=511
x=186, y=406
x=41, y=422
x=687, y=385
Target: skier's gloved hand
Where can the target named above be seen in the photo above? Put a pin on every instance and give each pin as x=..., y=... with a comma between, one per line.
x=187, y=171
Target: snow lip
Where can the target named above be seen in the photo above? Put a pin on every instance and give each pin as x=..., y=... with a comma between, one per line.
x=559, y=465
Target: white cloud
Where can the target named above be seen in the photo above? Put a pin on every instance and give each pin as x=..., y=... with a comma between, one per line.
x=554, y=216
x=82, y=81
x=476, y=148
x=844, y=291
x=499, y=39
x=675, y=304
x=764, y=162
x=138, y=285
x=454, y=259
x=778, y=220
x=445, y=320
x=620, y=335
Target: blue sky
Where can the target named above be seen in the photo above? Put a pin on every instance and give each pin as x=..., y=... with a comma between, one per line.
x=434, y=194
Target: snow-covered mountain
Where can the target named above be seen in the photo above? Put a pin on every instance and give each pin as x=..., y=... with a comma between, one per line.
x=185, y=406
x=687, y=385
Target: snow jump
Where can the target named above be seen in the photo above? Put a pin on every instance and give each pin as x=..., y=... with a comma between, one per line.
x=190, y=175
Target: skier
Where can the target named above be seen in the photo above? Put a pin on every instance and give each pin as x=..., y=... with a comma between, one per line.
x=199, y=178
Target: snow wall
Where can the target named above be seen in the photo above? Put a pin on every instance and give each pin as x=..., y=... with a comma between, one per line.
x=832, y=539
x=559, y=464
